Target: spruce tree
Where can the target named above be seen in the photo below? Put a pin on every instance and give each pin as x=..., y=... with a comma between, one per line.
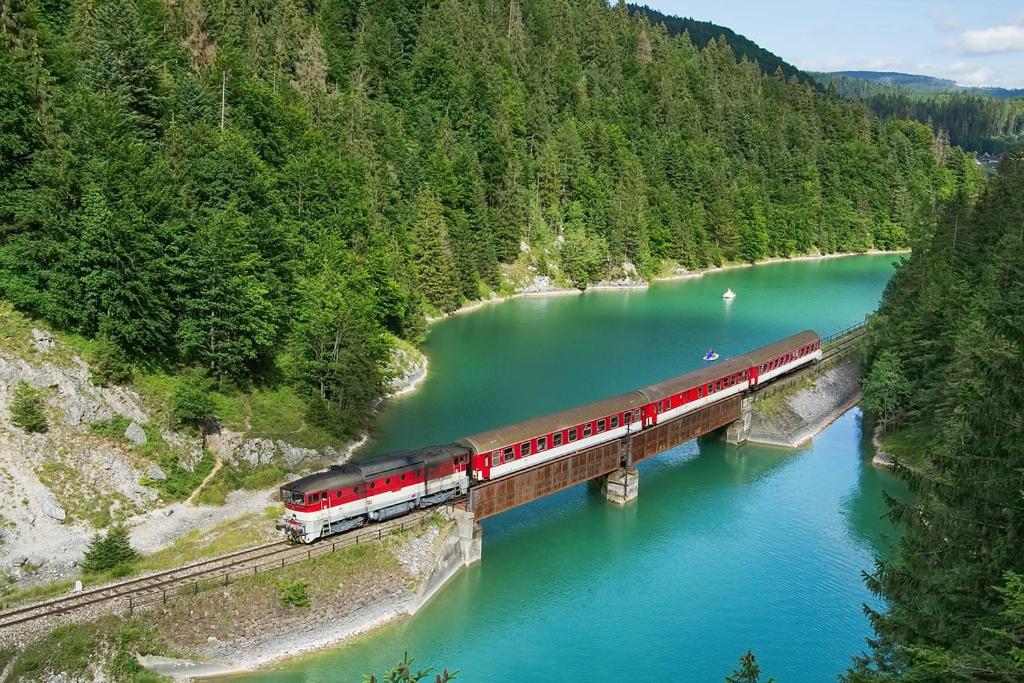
x=748, y=671
x=109, y=551
x=435, y=264
x=27, y=409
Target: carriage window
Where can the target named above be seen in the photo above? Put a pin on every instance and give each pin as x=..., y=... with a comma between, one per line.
x=373, y=485
x=659, y=406
x=524, y=448
x=509, y=454
x=495, y=458
x=587, y=430
x=572, y=434
x=355, y=489
x=627, y=418
x=542, y=443
x=338, y=493
x=700, y=392
x=718, y=385
x=711, y=387
x=556, y=439
x=601, y=425
x=636, y=414
x=387, y=482
x=403, y=476
x=615, y=421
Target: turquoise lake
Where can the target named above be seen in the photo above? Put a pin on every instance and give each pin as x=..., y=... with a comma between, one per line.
x=726, y=549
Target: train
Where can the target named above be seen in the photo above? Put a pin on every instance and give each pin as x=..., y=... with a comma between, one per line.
x=347, y=496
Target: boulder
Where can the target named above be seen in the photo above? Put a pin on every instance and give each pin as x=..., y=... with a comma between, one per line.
x=41, y=341
x=135, y=434
x=154, y=472
x=882, y=459
x=54, y=511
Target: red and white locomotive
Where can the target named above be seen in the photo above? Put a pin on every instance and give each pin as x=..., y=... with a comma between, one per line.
x=386, y=486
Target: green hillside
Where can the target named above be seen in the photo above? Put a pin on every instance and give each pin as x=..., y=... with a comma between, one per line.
x=703, y=32
x=978, y=119
x=261, y=192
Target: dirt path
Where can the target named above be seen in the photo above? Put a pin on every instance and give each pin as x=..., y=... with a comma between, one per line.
x=216, y=468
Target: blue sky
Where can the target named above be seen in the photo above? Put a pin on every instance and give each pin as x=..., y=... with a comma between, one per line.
x=973, y=43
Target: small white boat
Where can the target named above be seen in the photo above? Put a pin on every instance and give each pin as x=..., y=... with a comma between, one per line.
x=710, y=355
x=729, y=294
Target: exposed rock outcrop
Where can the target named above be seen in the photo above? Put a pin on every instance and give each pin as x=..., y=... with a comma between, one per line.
x=406, y=369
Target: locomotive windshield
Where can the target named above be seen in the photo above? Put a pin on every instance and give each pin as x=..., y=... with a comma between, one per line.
x=292, y=497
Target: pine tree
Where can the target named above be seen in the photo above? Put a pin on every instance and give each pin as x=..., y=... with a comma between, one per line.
x=886, y=389
x=435, y=264
x=229, y=320
x=338, y=349
x=112, y=550
x=748, y=671
x=27, y=409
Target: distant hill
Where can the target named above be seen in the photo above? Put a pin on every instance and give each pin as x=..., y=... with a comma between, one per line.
x=869, y=83
x=979, y=119
x=703, y=32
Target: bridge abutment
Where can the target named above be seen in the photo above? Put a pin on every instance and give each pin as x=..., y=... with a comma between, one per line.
x=738, y=431
x=622, y=485
x=471, y=536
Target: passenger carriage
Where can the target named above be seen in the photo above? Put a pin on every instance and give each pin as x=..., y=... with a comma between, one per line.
x=383, y=487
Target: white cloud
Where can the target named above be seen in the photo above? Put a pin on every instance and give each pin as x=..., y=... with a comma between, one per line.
x=966, y=73
x=962, y=72
x=853, y=64
x=992, y=40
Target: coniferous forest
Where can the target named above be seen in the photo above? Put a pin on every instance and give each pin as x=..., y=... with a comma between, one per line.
x=268, y=191
x=946, y=358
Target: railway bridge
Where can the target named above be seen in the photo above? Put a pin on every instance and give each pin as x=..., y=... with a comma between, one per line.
x=614, y=463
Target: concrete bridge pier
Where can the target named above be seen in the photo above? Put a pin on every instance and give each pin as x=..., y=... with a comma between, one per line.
x=622, y=485
x=471, y=536
x=739, y=430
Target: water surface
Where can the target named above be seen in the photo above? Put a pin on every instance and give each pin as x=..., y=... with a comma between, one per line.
x=726, y=548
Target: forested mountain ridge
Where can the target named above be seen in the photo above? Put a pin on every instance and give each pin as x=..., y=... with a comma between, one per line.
x=979, y=119
x=867, y=83
x=703, y=32
x=946, y=359
x=262, y=191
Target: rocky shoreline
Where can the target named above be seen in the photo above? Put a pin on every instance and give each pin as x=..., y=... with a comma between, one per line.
x=542, y=286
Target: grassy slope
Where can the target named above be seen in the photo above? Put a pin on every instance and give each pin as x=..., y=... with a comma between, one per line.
x=340, y=582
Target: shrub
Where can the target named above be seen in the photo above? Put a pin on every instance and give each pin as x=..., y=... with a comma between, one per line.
x=113, y=428
x=192, y=403
x=111, y=551
x=293, y=594
x=27, y=409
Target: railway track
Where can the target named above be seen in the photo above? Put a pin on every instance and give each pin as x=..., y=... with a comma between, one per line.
x=190, y=579
x=842, y=344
